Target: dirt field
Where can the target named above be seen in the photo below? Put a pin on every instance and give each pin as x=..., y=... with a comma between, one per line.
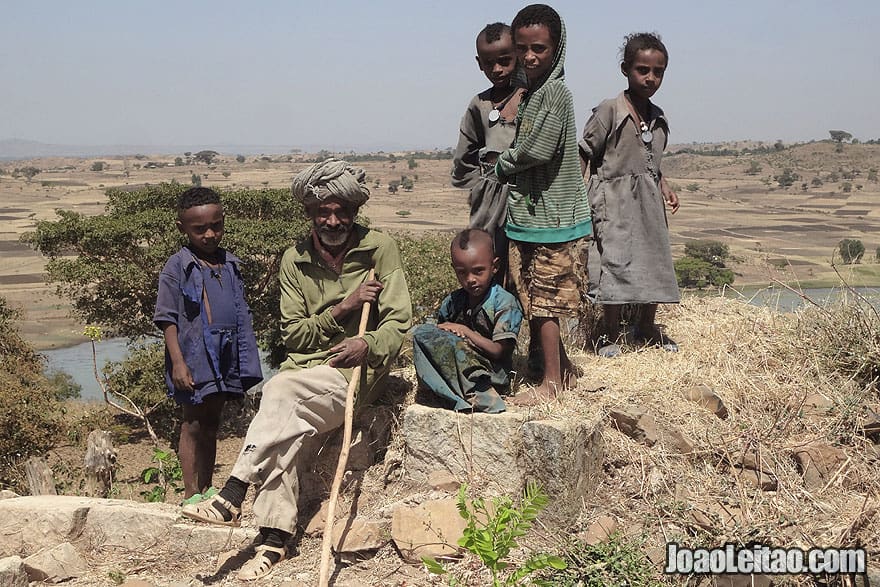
x=787, y=234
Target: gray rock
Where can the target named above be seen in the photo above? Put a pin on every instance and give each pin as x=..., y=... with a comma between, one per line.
x=444, y=481
x=360, y=535
x=12, y=572
x=500, y=453
x=55, y=564
x=430, y=529
x=31, y=523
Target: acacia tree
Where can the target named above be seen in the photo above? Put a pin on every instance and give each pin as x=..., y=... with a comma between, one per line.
x=838, y=136
x=108, y=265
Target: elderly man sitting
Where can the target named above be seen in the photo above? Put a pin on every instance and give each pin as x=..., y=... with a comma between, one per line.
x=323, y=287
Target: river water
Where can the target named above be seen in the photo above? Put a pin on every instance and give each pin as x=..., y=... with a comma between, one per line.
x=77, y=360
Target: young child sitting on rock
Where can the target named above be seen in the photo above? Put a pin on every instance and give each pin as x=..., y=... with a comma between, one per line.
x=466, y=358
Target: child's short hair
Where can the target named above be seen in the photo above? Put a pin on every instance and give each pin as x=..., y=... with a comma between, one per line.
x=492, y=32
x=197, y=196
x=473, y=237
x=635, y=42
x=539, y=14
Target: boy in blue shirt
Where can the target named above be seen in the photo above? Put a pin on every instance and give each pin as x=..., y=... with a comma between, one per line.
x=210, y=348
x=466, y=358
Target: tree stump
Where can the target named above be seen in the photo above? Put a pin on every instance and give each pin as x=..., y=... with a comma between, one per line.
x=100, y=463
x=39, y=477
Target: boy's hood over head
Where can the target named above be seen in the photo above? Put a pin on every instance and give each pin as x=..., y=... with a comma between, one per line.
x=556, y=72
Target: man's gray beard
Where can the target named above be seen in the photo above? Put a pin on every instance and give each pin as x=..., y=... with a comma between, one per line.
x=333, y=239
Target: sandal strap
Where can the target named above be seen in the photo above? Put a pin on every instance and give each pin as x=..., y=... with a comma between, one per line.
x=235, y=511
x=265, y=547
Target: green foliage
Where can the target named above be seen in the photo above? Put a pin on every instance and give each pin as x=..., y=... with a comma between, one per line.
x=393, y=185
x=817, y=181
x=164, y=475
x=693, y=272
x=98, y=166
x=714, y=252
x=407, y=184
x=786, y=178
x=846, y=187
x=196, y=180
x=692, y=187
x=30, y=413
x=617, y=561
x=753, y=168
x=492, y=532
x=178, y=161
x=239, y=158
x=28, y=172
x=411, y=162
x=108, y=265
x=428, y=270
x=141, y=377
x=63, y=385
x=851, y=250
x=206, y=157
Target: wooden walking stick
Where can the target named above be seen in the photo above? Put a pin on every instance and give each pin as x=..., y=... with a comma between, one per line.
x=327, y=543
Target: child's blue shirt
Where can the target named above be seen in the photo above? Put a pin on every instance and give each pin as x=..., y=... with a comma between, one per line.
x=181, y=302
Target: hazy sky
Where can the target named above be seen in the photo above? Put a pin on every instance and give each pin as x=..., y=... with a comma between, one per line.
x=398, y=74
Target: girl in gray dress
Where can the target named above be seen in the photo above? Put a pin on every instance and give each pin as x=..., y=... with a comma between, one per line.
x=630, y=261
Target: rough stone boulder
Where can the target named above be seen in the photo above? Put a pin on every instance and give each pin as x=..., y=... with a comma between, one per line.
x=35, y=523
x=501, y=452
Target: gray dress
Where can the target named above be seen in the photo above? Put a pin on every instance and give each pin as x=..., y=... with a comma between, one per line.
x=478, y=140
x=630, y=261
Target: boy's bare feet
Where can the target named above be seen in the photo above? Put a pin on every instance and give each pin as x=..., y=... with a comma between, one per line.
x=536, y=396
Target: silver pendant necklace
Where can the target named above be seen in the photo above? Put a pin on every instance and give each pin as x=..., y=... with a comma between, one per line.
x=495, y=113
x=647, y=135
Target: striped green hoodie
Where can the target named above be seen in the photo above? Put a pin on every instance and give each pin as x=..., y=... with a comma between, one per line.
x=547, y=201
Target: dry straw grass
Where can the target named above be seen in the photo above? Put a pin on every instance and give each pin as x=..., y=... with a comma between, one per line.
x=763, y=365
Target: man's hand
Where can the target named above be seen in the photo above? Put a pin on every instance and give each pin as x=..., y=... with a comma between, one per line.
x=181, y=377
x=368, y=291
x=669, y=195
x=349, y=353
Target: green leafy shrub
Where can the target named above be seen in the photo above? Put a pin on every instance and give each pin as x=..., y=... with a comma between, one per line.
x=492, y=532
x=786, y=178
x=164, y=475
x=851, y=250
x=428, y=270
x=693, y=272
x=30, y=412
x=714, y=252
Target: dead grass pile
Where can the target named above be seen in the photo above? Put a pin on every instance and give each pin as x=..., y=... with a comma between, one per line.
x=792, y=465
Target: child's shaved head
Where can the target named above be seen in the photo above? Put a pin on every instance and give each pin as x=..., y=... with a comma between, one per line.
x=493, y=32
x=474, y=238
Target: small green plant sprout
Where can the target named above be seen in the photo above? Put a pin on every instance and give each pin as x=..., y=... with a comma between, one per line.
x=164, y=475
x=492, y=532
x=403, y=212
x=94, y=334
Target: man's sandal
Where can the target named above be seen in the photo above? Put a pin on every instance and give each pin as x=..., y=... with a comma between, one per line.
x=261, y=565
x=206, y=511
